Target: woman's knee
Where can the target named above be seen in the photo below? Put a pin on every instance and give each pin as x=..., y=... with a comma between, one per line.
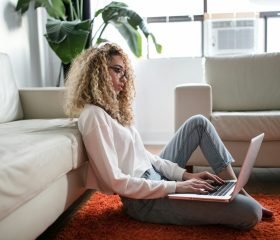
x=198, y=117
x=197, y=120
x=254, y=216
x=250, y=213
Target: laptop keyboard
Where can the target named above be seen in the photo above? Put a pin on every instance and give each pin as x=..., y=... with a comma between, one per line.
x=221, y=190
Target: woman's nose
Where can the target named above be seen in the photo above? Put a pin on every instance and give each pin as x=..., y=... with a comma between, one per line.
x=123, y=78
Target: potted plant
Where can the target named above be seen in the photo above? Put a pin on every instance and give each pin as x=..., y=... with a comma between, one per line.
x=69, y=34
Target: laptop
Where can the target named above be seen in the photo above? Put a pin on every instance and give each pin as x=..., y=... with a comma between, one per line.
x=228, y=191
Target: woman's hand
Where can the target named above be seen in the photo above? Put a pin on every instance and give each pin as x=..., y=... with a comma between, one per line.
x=194, y=186
x=206, y=176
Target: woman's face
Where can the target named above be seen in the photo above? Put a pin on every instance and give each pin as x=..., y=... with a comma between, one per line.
x=117, y=72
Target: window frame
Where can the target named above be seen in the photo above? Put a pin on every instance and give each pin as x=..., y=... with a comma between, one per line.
x=189, y=18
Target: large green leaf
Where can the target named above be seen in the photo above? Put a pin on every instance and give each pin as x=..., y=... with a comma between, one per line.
x=157, y=45
x=55, y=8
x=67, y=38
x=23, y=5
x=122, y=17
x=112, y=8
x=136, y=22
x=132, y=37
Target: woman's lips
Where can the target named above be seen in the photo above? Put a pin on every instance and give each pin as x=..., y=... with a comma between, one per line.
x=121, y=87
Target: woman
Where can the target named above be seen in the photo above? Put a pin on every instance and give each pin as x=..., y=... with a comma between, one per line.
x=100, y=90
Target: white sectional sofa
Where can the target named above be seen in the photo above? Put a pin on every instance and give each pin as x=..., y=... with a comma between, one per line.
x=42, y=158
x=241, y=97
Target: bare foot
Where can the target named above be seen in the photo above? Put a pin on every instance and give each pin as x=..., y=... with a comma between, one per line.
x=266, y=213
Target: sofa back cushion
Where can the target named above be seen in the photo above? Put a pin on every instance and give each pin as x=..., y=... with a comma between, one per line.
x=242, y=83
x=10, y=106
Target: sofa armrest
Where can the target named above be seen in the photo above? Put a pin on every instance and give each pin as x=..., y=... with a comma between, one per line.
x=192, y=99
x=42, y=102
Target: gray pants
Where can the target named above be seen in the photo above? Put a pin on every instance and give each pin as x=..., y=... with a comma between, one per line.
x=241, y=213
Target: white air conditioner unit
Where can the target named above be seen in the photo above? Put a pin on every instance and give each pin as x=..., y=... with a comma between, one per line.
x=227, y=37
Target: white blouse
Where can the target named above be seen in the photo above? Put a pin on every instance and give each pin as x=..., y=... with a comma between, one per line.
x=118, y=158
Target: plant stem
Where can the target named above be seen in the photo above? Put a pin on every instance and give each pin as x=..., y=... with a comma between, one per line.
x=103, y=29
x=59, y=75
x=78, y=9
x=75, y=14
x=81, y=8
x=71, y=12
x=97, y=31
x=105, y=25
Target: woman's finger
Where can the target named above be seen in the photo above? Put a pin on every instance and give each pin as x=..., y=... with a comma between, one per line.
x=203, y=185
x=198, y=190
x=214, y=178
x=218, y=179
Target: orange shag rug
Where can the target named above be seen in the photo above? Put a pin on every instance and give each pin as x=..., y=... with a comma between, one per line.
x=101, y=218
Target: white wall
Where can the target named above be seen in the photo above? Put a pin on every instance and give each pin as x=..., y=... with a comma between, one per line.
x=19, y=40
x=21, y=37
x=155, y=83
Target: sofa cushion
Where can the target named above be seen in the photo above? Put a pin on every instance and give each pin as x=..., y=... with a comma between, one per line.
x=10, y=106
x=243, y=83
x=34, y=153
x=242, y=126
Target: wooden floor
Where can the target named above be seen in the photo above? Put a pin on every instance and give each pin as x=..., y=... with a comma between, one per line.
x=262, y=180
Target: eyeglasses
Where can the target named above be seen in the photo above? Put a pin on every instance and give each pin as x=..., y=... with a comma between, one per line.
x=119, y=70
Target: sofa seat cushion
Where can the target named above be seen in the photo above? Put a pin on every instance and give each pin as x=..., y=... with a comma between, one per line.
x=242, y=126
x=34, y=153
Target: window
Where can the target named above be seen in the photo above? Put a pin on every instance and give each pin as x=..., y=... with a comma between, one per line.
x=158, y=8
x=208, y=27
x=273, y=35
x=179, y=39
x=261, y=36
x=227, y=6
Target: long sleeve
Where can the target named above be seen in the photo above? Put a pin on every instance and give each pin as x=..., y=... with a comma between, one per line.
x=110, y=171
x=168, y=168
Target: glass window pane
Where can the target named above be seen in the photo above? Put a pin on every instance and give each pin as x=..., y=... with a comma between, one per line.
x=273, y=35
x=218, y=6
x=179, y=39
x=148, y=8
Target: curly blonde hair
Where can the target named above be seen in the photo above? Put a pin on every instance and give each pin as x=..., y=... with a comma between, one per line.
x=89, y=82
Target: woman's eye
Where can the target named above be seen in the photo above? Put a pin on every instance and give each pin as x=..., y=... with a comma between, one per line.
x=118, y=70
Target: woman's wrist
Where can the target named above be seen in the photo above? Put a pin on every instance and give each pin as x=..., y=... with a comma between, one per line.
x=186, y=176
